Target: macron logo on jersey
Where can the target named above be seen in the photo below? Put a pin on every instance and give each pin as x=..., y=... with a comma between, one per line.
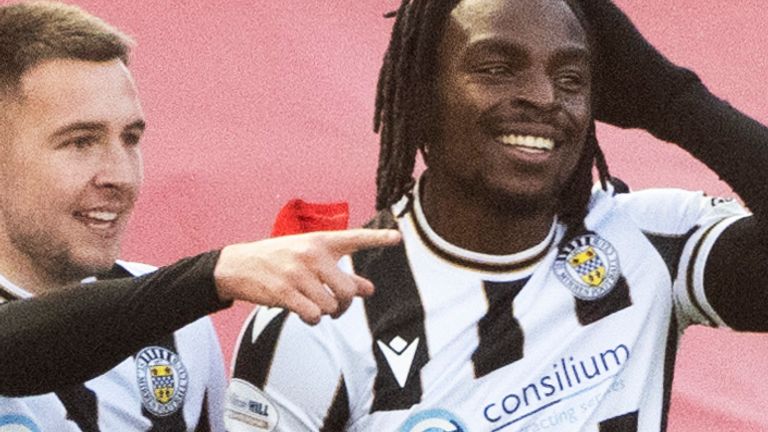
x=399, y=355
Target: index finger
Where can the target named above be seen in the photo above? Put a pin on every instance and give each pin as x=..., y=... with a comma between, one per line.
x=349, y=241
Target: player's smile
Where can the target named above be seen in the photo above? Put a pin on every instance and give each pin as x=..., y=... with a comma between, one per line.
x=104, y=220
x=514, y=92
x=527, y=142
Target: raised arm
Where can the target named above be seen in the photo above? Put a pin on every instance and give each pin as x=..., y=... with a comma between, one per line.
x=636, y=86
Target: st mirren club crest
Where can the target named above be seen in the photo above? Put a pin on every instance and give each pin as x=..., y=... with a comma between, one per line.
x=588, y=266
x=163, y=380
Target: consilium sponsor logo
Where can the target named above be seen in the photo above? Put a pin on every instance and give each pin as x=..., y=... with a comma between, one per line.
x=569, y=377
x=433, y=420
x=17, y=423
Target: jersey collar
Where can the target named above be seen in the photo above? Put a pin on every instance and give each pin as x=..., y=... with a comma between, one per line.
x=475, y=260
x=9, y=291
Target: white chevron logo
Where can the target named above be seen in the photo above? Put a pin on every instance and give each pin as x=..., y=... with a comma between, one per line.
x=264, y=315
x=399, y=355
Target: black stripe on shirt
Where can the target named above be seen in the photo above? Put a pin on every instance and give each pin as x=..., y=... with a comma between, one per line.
x=670, y=356
x=338, y=413
x=623, y=423
x=590, y=311
x=690, y=275
x=81, y=406
x=254, y=360
x=501, y=337
x=175, y=421
x=670, y=248
x=204, y=423
x=395, y=319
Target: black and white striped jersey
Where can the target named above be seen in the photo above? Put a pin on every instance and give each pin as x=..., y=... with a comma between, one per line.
x=174, y=384
x=578, y=336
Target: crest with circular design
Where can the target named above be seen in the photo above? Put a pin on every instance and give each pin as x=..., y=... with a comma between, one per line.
x=17, y=423
x=433, y=420
x=588, y=266
x=163, y=380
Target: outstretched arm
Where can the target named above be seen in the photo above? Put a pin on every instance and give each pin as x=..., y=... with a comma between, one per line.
x=72, y=335
x=75, y=334
x=636, y=86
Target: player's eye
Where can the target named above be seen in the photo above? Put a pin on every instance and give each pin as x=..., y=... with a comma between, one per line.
x=571, y=81
x=131, y=138
x=81, y=141
x=495, y=70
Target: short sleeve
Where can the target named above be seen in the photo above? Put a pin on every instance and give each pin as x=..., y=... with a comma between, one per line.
x=697, y=221
x=692, y=305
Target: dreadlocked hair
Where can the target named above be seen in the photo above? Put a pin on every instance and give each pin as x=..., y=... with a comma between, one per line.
x=405, y=110
x=404, y=96
x=574, y=197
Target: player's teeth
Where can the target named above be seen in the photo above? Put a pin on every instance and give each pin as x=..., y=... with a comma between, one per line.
x=102, y=216
x=530, y=149
x=528, y=141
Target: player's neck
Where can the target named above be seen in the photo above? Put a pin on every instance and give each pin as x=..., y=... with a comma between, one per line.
x=28, y=274
x=476, y=224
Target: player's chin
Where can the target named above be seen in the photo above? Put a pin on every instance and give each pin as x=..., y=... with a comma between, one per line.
x=523, y=197
x=95, y=260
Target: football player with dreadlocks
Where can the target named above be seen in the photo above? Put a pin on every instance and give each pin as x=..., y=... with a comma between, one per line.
x=522, y=298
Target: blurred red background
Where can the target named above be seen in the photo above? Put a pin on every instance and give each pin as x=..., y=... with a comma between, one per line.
x=250, y=104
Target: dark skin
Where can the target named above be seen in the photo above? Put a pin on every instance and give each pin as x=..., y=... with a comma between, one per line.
x=503, y=79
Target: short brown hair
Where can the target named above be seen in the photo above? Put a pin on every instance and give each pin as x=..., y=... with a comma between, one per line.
x=33, y=32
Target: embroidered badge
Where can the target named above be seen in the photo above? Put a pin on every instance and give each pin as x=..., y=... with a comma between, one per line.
x=588, y=266
x=163, y=380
